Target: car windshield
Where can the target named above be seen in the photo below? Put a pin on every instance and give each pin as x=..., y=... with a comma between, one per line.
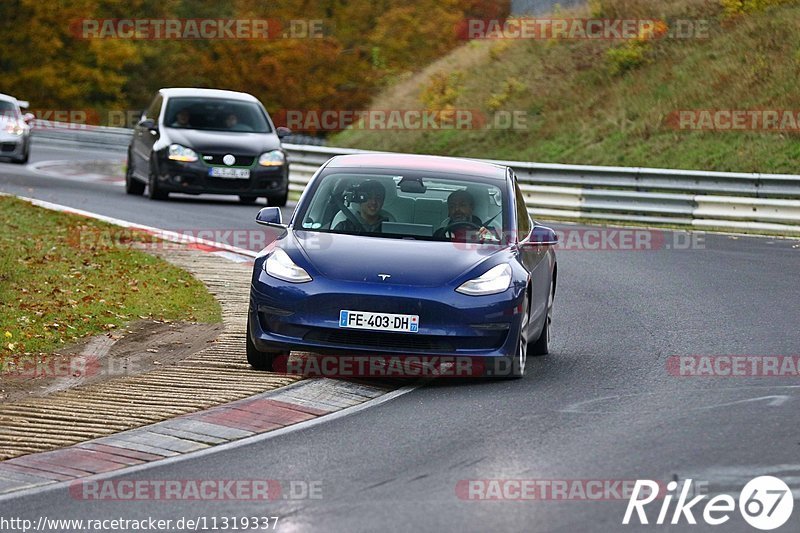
x=8, y=109
x=438, y=207
x=216, y=114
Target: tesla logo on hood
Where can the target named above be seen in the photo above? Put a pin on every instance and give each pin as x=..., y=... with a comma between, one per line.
x=384, y=277
x=229, y=159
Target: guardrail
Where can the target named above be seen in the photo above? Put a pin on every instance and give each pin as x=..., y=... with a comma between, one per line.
x=707, y=200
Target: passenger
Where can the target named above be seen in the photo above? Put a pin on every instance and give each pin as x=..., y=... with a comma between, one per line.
x=369, y=214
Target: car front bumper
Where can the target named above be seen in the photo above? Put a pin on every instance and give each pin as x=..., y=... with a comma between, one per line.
x=193, y=178
x=12, y=145
x=285, y=316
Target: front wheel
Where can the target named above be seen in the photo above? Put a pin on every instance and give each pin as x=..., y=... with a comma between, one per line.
x=132, y=185
x=24, y=157
x=512, y=366
x=542, y=344
x=258, y=360
x=154, y=192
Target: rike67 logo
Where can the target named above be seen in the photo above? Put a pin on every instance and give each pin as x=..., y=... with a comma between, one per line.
x=766, y=503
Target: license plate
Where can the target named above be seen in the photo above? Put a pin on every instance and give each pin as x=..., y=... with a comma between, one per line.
x=233, y=173
x=378, y=321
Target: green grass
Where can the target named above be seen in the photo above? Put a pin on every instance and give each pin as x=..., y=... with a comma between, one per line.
x=64, y=277
x=580, y=111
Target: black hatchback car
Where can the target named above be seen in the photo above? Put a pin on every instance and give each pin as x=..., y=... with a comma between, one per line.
x=200, y=141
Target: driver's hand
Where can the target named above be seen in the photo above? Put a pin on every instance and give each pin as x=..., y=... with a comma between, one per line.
x=485, y=234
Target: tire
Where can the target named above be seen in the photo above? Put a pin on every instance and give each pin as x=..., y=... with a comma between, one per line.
x=248, y=200
x=132, y=185
x=512, y=367
x=279, y=200
x=154, y=192
x=258, y=360
x=25, y=155
x=542, y=345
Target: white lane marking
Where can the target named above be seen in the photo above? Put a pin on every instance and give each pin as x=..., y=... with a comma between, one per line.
x=776, y=401
x=167, y=235
x=218, y=448
x=582, y=407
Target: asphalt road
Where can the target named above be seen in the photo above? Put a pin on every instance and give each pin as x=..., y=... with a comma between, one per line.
x=601, y=406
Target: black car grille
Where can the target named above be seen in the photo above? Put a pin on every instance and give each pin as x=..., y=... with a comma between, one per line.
x=8, y=147
x=403, y=341
x=241, y=160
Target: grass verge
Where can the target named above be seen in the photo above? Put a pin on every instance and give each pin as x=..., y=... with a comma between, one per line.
x=60, y=281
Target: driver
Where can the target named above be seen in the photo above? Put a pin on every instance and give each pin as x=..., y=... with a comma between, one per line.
x=182, y=119
x=369, y=214
x=460, y=207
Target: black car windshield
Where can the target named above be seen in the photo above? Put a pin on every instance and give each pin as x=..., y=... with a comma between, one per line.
x=439, y=207
x=215, y=114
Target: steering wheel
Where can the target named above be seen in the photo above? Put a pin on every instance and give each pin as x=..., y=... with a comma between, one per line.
x=453, y=226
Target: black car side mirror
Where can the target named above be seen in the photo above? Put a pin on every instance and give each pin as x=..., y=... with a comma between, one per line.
x=270, y=216
x=149, y=124
x=283, y=131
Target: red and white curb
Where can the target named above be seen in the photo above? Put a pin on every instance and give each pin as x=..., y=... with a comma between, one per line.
x=219, y=428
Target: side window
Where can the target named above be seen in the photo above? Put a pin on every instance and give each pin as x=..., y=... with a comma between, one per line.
x=155, y=108
x=524, y=224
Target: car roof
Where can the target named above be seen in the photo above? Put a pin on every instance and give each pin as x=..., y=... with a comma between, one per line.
x=413, y=162
x=7, y=98
x=172, y=92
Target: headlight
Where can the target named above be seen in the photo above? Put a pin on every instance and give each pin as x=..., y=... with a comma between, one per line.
x=494, y=281
x=275, y=158
x=280, y=265
x=15, y=128
x=181, y=153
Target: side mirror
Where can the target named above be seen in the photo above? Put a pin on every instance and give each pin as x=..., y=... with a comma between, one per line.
x=149, y=124
x=28, y=117
x=541, y=236
x=270, y=216
x=283, y=131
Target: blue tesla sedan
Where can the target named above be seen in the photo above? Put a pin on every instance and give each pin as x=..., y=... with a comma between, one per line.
x=406, y=256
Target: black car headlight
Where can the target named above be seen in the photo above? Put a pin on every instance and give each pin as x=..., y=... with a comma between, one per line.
x=274, y=158
x=181, y=153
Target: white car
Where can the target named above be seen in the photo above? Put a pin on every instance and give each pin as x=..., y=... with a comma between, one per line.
x=15, y=129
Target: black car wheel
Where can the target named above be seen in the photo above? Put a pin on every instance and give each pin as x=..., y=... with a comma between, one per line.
x=132, y=185
x=512, y=366
x=154, y=192
x=25, y=155
x=258, y=360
